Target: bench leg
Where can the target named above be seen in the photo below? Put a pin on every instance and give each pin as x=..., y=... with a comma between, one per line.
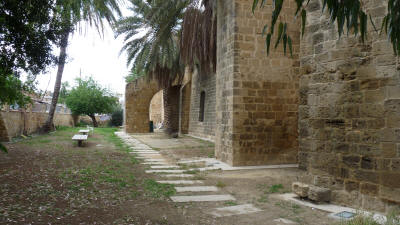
x=79, y=143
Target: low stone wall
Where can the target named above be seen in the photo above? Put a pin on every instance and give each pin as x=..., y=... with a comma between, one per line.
x=18, y=122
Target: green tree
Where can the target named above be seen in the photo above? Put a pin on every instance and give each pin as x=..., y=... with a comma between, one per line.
x=72, y=13
x=347, y=14
x=27, y=31
x=89, y=98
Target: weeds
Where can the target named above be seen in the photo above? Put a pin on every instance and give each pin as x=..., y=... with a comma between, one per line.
x=220, y=184
x=393, y=218
x=276, y=188
x=230, y=203
x=157, y=190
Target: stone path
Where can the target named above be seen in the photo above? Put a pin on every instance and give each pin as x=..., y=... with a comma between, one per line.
x=159, y=166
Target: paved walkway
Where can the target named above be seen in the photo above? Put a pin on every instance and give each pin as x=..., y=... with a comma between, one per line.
x=169, y=173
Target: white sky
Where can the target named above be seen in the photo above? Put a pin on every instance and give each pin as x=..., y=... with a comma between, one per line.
x=94, y=56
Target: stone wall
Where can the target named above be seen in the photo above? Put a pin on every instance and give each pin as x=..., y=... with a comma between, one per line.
x=18, y=122
x=185, y=107
x=349, y=113
x=138, y=95
x=3, y=130
x=205, y=128
x=171, y=109
x=257, y=95
x=157, y=108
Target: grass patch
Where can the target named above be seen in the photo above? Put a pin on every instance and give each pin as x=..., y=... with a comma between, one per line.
x=393, y=218
x=157, y=190
x=230, y=203
x=276, y=188
x=220, y=184
x=294, y=208
x=199, y=177
x=191, y=171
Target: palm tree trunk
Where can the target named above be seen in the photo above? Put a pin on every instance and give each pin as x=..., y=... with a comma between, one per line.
x=61, y=63
x=93, y=117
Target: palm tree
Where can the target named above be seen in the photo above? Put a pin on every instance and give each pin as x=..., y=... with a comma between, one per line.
x=71, y=13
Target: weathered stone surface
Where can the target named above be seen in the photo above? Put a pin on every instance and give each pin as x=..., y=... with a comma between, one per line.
x=361, y=107
x=319, y=194
x=300, y=189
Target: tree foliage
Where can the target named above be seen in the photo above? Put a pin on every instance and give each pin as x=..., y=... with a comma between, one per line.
x=349, y=15
x=164, y=36
x=89, y=98
x=27, y=31
x=198, y=41
x=156, y=52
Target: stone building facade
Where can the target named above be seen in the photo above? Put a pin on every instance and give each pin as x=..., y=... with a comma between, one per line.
x=333, y=107
x=349, y=111
x=205, y=127
x=257, y=94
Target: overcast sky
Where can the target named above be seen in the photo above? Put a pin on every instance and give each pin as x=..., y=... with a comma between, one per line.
x=94, y=56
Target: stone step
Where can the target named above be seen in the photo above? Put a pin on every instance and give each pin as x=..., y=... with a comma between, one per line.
x=234, y=210
x=164, y=167
x=196, y=188
x=180, y=181
x=165, y=171
x=177, y=175
x=202, y=198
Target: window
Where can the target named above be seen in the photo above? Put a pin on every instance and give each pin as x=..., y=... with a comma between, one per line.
x=202, y=101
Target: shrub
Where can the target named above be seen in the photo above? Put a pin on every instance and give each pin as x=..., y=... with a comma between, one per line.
x=117, y=118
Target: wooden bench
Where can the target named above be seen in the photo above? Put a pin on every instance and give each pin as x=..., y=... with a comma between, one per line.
x=80, y=138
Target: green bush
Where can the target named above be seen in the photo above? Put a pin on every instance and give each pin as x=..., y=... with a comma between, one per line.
x=117, y=118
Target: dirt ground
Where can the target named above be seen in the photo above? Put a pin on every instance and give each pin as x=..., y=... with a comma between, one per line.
x=47, y=179
x=258, y=187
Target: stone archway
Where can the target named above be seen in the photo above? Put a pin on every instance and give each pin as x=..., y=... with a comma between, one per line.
x=138, y=96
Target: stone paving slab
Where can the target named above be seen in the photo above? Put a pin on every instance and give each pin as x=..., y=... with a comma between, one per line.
x=146, y=153
x=155, y=160
x=196, y=189
x=177, y=175
x=164, y=167
x=154, y=163
x=180, y=181
x=202, y=198
x=283, y=221
x=165, y=171
x=234, y=210
x=214, y=163
x=138, y=153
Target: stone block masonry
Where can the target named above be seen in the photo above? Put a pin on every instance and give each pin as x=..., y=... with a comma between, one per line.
x=257, y=95
x=138, y=97
x=203, y=83
x=349, y=112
